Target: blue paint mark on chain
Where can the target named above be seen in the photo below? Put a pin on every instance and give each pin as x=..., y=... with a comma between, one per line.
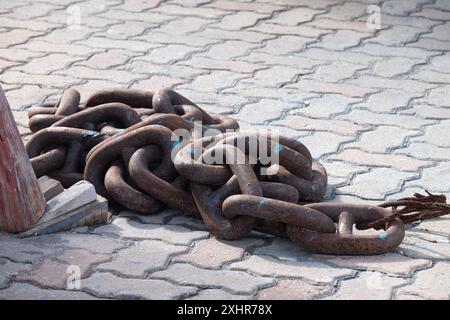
x=278, y=148
x=175, y=144
x=90, y=135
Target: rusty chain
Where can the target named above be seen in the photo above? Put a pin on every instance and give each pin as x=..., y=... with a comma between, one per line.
x=121, y=141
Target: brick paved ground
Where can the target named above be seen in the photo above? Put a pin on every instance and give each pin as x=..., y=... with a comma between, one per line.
x=373, y=105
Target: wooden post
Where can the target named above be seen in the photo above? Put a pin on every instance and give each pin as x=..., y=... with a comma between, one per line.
x=21, y=200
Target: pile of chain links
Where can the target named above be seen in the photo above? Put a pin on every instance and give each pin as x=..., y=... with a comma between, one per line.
x=121, y=141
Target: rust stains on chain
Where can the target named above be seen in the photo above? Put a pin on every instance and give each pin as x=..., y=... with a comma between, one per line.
x=125, y=194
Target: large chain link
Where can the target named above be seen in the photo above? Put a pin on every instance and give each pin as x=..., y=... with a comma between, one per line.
x=122, y=142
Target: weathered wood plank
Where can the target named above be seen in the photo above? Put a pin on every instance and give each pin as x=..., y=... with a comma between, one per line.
x=21, y=200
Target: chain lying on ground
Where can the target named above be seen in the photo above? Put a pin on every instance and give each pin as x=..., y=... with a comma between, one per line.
x=122, y=141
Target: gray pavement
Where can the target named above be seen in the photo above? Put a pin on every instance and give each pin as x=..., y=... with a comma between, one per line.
x=368, y=94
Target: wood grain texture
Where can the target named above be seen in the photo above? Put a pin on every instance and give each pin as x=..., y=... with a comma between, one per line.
x=95, y=212
x=21, y=200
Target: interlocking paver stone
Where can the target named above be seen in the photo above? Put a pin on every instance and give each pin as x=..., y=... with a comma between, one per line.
x=134, y=230
x=25, y=291
x=397, y=35
x=239, y=20
x=440, y=226
x=213, y=64
x=206, y=252
x=38, y=80
x=367, y=117
x=430, y=284
x=318, y=149
x=285, y=45
x=439, y=32
x=294, y=30
x=371, y=81
x=296, y=16
x=82, y=72
x=17, y=36
x=96, y=42
x=47, y=64
x=421, y=150
x=128, y=29
x=9, y=269
x=38, y=47
x=376, y=183
x=19, y=251
x=335, y=126
x=434, y=134
x=348, y=56
x=158, y=82
x=57, y=274
x=244, y=6
x=388, y=100
x=274, y=77
x=249, y=36
x=342, y=40
x=107, y=285
x=105, y=60
x=326, y=106
x=390, y=263
x=217, y=294
x=382, y=139
x=407, y=52
x=229, y=49
x=335, y=71
x=158, y=218
x=252, y=112
x=436, y=178
x=431, y=44
x=139, y=6
x=183, y=10
x=91, y=242
x=291, y=60
x=424, y=74
x=146, y=68
x=164, y=55
x=438, y=96
x=341, y=169
x=416, y=247
x=346, y=11
x=332, y=24
x=349, y=90
x=119, y=15
x=381, y=160
x=368, y=286
x=294, y=290
x=214, y=81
